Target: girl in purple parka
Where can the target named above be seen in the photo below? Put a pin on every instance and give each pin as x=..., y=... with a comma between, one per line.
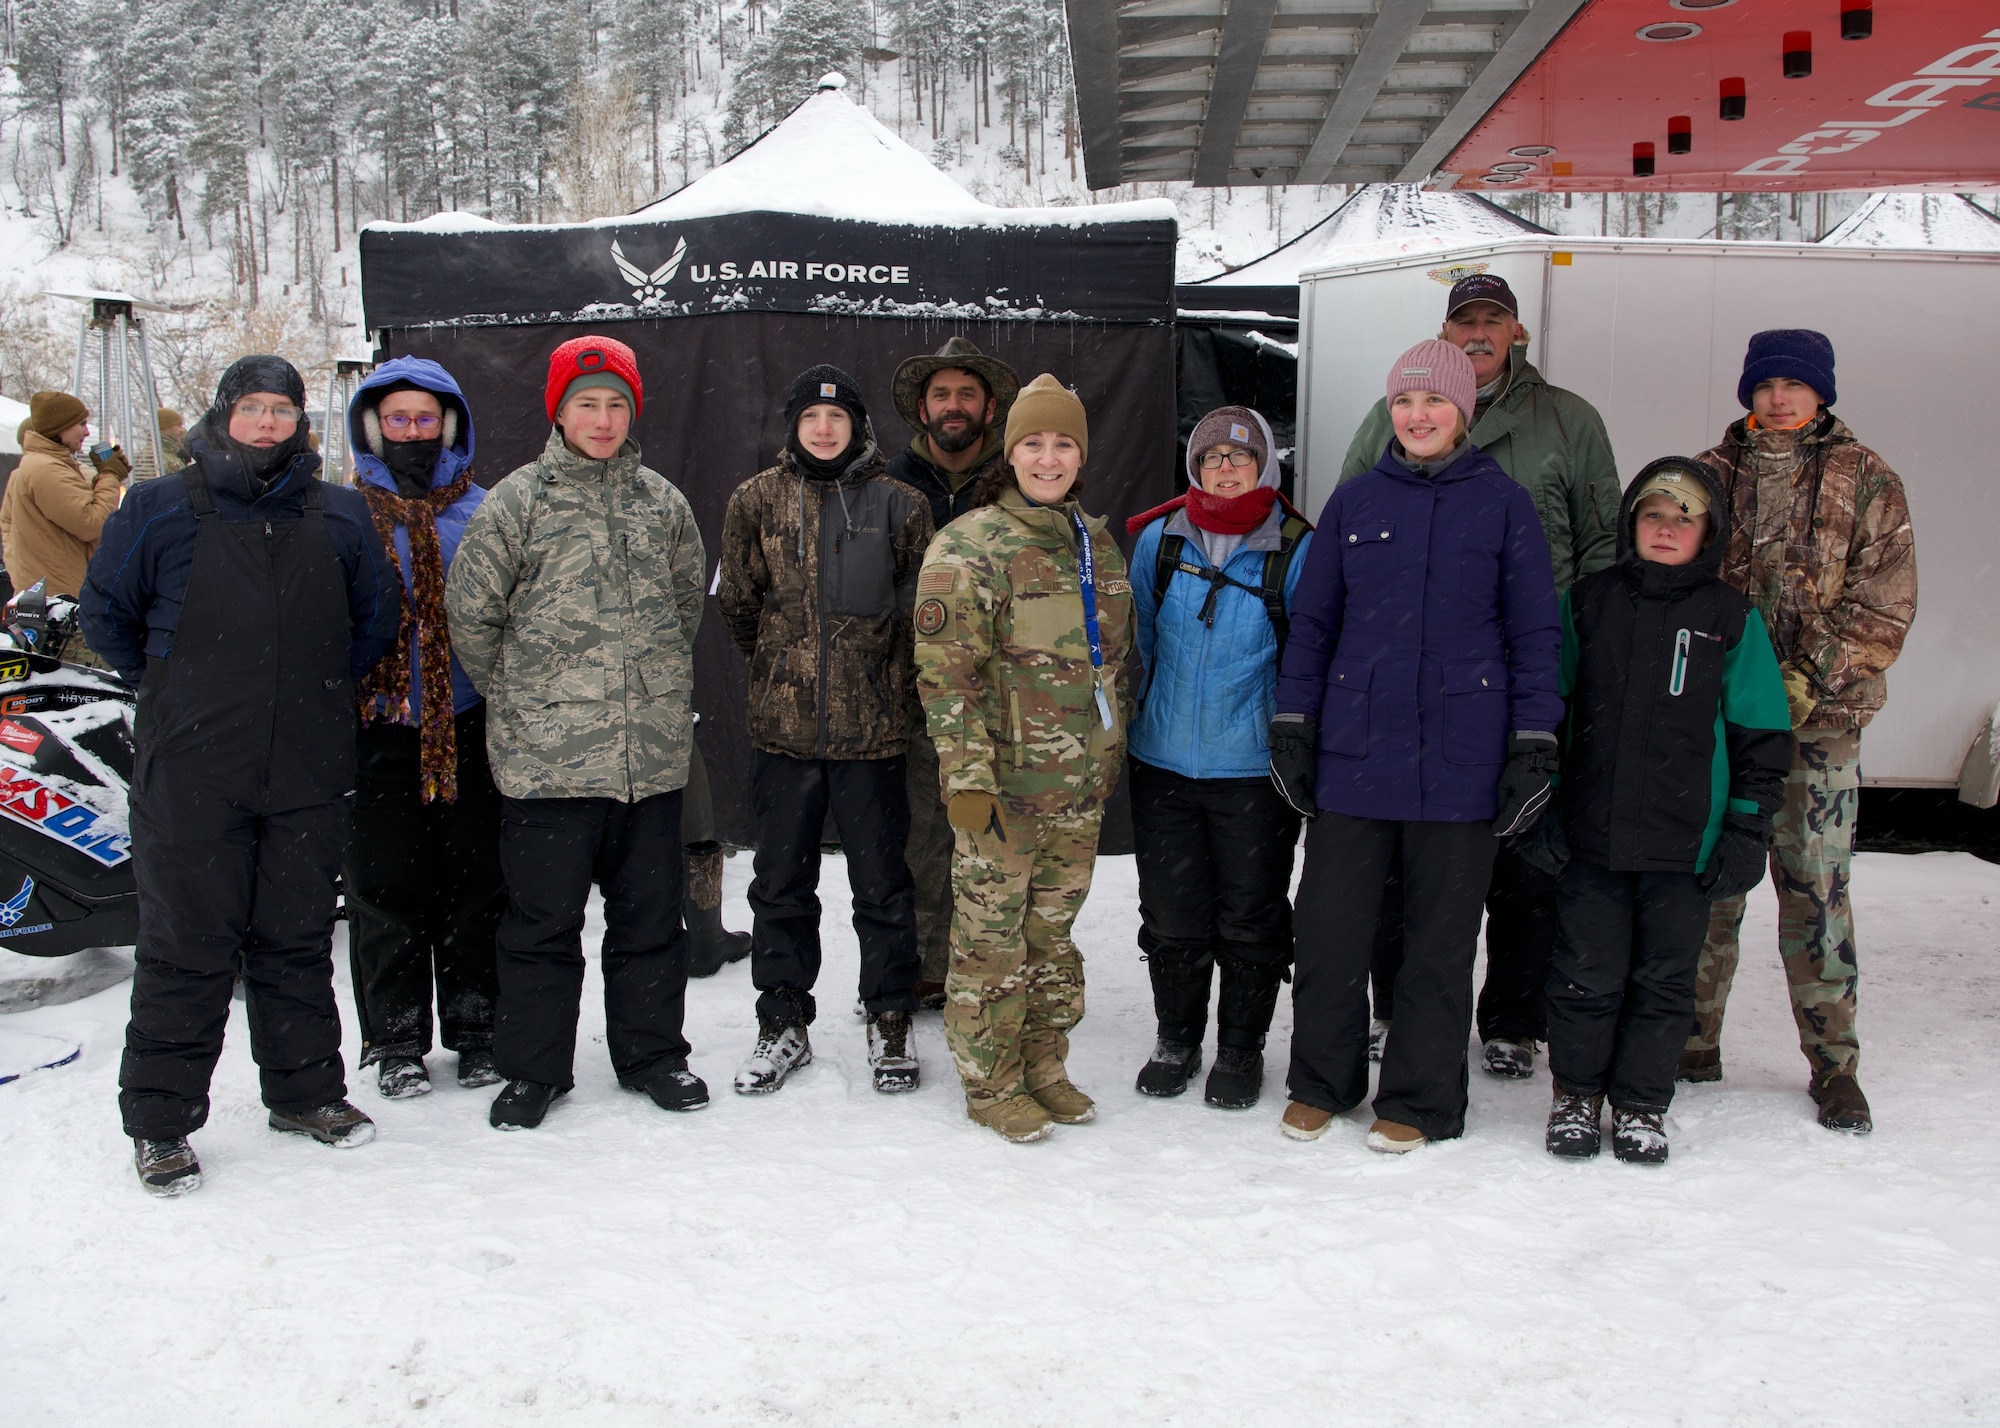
x=1417, y=710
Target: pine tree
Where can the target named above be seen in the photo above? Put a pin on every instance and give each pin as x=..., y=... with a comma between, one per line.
x=159, y=123
x=649, y=48
x=48, y=57
x=781, y=66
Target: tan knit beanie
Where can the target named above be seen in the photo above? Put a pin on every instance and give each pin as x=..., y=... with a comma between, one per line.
x=53, y=413
x=1047, y=405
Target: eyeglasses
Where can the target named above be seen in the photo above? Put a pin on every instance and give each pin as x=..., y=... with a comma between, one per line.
x=400, y=423
x=1212, y=460
x=255, y=411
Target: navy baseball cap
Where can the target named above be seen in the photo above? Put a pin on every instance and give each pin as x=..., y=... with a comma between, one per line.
x=1482, y=287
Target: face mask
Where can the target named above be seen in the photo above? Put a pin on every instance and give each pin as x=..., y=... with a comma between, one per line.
x=412, y=463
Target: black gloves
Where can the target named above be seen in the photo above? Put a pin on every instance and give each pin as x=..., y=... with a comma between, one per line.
x=1741, y=854
x=1526, y=782
x=1294, y=753
x=1545, y=846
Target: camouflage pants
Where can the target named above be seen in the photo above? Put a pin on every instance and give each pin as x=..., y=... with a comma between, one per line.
x=929, y=855
x=1811, y=861
x=1016, y=983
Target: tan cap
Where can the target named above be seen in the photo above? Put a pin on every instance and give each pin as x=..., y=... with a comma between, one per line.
x=1684, y=486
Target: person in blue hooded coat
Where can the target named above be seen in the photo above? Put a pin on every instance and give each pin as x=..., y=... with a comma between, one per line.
x=1213, y=575
x=425, y=892
x=1417, y=710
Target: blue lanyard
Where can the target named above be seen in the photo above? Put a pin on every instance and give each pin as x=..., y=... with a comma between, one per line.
x=1087, y=578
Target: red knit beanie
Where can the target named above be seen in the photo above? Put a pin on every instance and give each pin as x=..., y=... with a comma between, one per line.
x=592, y=356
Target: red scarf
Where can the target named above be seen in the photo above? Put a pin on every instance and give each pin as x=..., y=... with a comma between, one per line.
x=423, y=618
x=1225, y=515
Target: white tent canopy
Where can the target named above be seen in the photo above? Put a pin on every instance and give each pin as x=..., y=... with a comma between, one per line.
x=1918, y=220
x=12, y=414
x=1381, y=219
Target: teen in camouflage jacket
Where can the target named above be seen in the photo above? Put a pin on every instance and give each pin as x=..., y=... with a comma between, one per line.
x=573, y=604
x=1003, y=665
x=818, y=578
x=1820, y=541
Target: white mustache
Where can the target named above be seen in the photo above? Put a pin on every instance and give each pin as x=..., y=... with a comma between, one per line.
x=1479, y=347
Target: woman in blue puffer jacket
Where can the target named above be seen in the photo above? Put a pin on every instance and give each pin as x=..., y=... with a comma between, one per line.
x=1212, y=581
x=424, y=886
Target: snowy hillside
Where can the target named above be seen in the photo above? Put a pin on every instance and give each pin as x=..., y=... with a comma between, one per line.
x=828, y=1256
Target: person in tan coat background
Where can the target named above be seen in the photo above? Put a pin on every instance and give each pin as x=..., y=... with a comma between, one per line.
x=53, y=512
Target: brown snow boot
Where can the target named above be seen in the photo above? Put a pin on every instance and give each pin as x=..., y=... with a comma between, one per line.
x=711, y=946
x=1842, y=1107
x=1018, y=1118
x=1696, y=1066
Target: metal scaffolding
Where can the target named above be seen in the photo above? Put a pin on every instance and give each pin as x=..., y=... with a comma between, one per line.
x=335, y=445
x=114, y=376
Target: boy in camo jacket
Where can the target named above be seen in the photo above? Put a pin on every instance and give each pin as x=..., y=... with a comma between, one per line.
x=1820, y=541
x=1026, y=702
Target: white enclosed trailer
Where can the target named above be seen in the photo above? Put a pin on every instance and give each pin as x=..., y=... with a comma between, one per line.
x=1652, y=332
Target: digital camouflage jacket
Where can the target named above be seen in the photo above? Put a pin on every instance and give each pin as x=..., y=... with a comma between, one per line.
x=573, y=602
x=1820, y=541
x=817, y=582
x=1003, y=661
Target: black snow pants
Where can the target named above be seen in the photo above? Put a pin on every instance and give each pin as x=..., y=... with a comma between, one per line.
x=1445, y=869
x=552, y=851
x=1621, y=987
x=1520, y=933
x=244, y=744
x=1215, y=878
x=424, y=894
x=869, y=799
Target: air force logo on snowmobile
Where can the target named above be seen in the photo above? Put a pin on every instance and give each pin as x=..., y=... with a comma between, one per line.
x=16, y=907
x=646, y=286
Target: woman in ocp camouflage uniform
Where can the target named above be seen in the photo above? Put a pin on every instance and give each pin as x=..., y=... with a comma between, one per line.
x=1024, y=621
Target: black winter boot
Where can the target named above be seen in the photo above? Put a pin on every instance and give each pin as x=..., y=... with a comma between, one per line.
x=336, y=1123
x=1237, y=1079
x=711, y=946
x=521, y=1105
x=1172, y=1066
x=1639, y=1137
x=1574, y=1132
x=166, y=1167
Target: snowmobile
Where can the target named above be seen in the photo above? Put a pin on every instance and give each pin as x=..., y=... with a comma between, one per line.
x=66, y=879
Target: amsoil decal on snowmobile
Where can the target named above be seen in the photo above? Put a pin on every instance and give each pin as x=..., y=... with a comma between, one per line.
x=16, y=737
x=27, y=799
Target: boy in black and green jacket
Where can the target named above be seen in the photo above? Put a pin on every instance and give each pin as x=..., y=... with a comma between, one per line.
x=1677, y=741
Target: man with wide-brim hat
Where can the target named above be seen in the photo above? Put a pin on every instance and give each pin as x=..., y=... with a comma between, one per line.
x=957, y=399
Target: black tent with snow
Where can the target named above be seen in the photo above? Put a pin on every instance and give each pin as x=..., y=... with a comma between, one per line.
x=828, y=240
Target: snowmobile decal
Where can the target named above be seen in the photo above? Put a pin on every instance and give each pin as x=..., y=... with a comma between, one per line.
x=13, y=667
x=28, y=799
x=14, y=736
x=16, y=907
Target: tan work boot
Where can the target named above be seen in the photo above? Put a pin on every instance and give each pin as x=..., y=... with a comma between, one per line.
x=1018, y=1118
x=1065, y=1104
x=1698, y=1066
x=1395, y=1138
x=1303, y=1122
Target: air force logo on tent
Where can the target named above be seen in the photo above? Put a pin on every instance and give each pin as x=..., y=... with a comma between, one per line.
x=646, y=286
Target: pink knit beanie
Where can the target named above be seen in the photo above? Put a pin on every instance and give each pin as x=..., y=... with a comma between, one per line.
x=1435, y=365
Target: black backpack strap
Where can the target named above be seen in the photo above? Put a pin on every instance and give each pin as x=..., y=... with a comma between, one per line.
x=1277, y=566
x=196, y=485
x=1166, y=560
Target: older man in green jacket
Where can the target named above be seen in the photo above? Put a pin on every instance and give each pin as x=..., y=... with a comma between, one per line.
x=573, y=602
x=1553, y=442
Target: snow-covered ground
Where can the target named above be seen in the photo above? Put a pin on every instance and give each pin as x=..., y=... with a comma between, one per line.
x=831, y=1256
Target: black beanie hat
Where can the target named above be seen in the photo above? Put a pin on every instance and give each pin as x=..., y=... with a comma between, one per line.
x=824, y=384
